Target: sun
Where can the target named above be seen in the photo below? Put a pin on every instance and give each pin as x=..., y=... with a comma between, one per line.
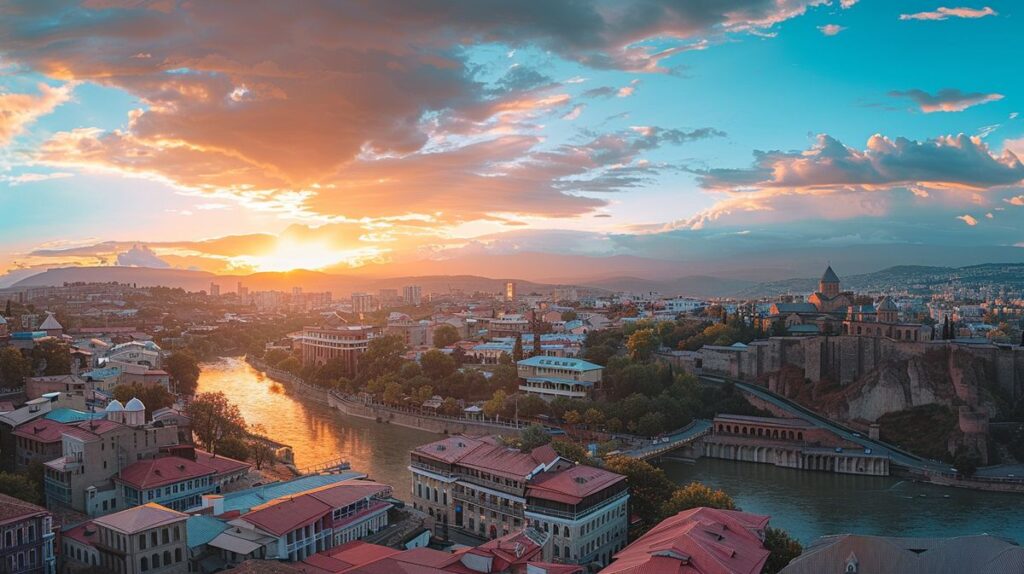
x=290, y=255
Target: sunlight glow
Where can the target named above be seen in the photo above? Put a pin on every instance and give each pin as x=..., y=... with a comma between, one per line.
x=290, y=255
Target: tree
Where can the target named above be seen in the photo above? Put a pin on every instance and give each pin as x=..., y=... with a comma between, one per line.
x=593, y=417
x=641, y=344
x=649, y=487
x=696, y=494
x=571, y=451
x=334, y=369
x=291, y=365
x=532, y=437
x=383, y=356
x=7, y=309
x=234, y=447
x=19, y=486
x=572, y=418
x=214, y=418
x=259, y=449
x=783, y=549
x=183, y=367
x=275, y=356
x=496, y=405
x=445, y=335
x=450, y=407
x=14, y=367
x=437, y=365
x=393, y=394
x=52, y=357
x=517, y=349
x=569, y=316
x=153, y=396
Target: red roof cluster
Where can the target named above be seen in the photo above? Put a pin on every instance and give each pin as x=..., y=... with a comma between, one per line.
x=42, y=430
x=282, y=515
x=698, y=541
x=487, y=455
x=572, y=485
x=156, y=472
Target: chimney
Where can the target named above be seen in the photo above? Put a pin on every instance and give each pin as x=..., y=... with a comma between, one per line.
x=214, y=501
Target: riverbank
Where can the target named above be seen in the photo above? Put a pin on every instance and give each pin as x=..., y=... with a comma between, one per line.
x=408, y=418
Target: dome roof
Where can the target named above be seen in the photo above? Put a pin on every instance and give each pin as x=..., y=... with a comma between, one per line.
x=115, y=406
x=135, y=405
x=829, y=276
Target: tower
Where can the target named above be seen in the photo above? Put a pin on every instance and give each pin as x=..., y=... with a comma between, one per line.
x=829, y=284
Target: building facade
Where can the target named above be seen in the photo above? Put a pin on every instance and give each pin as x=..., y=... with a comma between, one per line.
x=26, y=538
x=347, y=342
x=553, y=377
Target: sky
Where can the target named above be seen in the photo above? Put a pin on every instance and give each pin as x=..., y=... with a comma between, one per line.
x=266, y=136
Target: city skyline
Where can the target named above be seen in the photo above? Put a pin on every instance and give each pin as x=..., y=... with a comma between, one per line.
x=165, y=134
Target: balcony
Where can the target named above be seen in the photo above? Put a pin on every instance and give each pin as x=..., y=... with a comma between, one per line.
x=576, y=514
x=486, y=504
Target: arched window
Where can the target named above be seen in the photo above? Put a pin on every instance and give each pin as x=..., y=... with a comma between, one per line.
x=799, y=436
x=167, y=557
x=156, y=561
x=144, y=564
x=565, y=531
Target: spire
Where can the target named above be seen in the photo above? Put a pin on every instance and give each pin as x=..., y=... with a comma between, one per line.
x=829, y=276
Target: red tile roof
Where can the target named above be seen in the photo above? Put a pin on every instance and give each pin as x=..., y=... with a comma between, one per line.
x=41, y=430
x=487, y=455
x=282, y=515
x=572, y=485
x=78, y=533
x=220, y=464
x=156, y=472
x=16, y=510
x=697, y=541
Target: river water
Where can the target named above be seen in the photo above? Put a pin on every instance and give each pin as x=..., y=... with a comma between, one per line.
x=806, y=504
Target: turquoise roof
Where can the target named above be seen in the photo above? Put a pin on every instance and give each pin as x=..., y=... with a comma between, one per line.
x=202, y=529
x=66, y=415
x=560, y=363
x=104, y=373
x=243, y=500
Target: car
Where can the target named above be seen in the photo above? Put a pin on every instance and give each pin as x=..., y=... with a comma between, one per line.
x=867, y=451
x=839, y=449
x=856, y=434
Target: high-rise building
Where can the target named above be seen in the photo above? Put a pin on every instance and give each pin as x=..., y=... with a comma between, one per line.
x=242, y=291
x=510, y=291
x=412, y=294
x=214, y=290
x=362, y=303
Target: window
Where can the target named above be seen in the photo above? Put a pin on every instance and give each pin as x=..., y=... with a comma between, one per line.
x=142, y=542
x=144, y=564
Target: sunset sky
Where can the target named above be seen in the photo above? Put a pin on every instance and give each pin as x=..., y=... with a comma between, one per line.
x=254, y=136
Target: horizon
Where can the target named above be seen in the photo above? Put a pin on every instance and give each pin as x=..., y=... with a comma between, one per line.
x=132, y=134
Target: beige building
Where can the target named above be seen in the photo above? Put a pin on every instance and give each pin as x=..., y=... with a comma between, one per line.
x=553, y=377
x=148, y=538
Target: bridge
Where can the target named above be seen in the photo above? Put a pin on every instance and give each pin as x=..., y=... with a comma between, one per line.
x=675, y=440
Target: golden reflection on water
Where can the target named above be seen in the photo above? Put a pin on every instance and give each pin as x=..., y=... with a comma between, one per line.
x=315, y=432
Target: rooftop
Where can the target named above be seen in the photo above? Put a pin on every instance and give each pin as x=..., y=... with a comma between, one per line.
x=560, y=363
x=14, y=510
x=487, y=454
x=285, y=514
x=572, y=485
x=140, y=518
x=156, y=472
x=243, y=500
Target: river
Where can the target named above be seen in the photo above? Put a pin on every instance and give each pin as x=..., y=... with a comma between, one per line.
x=315, y=432
x=806, y=504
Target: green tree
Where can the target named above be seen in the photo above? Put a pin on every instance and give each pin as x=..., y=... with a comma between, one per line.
x=450, y=407
x=393, y=394
x=649, y=487
x=437, y=365
x=214, y=418
x=234, y=447
x=517, y=349
x=783, y=549
x=383, y=356
x=569, y=316
x=696, y=494
x=183, y=367
x=19, y=486
x=651, y=424
x=496, y=405
x=52, y=357
x=14, y=367
x=593, y=418
x=153, y=396
x=571, y=451
x=533, y=436
x=445, y=335
x=275, y=356
x=641, y=344
x=291, y=365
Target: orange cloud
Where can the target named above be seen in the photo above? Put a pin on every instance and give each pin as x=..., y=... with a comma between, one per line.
x=968, y=219
x=17, y=111
x=943, y=13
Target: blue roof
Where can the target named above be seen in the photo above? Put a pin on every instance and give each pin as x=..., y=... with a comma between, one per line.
x=202, y=529
x=243, y=500
x=560, y=363
x=103, y=373
x=26, y=335
x=66, y=415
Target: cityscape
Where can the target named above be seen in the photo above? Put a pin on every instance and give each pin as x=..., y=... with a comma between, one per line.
x=490, y=287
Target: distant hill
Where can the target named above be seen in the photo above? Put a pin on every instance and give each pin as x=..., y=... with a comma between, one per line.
x=1010, y=275
x=690, y=286
x=339, y=285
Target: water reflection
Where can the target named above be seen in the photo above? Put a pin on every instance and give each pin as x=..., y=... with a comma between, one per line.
x=812, y=504
x=315, y=433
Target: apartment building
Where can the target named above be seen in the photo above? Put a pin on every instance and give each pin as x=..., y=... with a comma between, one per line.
x=147, y=538
x=552, y=377
x=481, y=487
x=26, y=538
x=347, y=342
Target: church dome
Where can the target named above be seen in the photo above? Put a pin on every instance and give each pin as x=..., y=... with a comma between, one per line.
x=115, y=406
x=135, y=405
